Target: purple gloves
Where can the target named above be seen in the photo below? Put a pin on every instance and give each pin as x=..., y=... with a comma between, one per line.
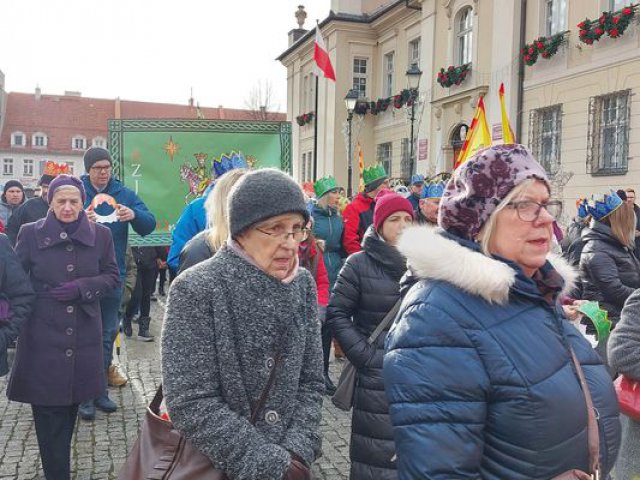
x=4, y=310
x=66, y=292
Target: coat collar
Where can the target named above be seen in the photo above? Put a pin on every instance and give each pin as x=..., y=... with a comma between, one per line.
x=49, y=232
x=434, y=254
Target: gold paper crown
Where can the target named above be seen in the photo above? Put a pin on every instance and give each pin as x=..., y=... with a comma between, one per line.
x=54, y=169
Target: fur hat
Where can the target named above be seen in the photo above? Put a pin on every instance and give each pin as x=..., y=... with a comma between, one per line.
x=479, y=185
x=263, y=194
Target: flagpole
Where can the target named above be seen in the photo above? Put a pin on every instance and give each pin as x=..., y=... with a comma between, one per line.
x=315, y=136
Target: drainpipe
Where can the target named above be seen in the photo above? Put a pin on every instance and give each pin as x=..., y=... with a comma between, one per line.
x=520, y=100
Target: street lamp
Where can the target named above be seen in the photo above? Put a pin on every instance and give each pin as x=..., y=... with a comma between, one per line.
x=413, y=81
x=350, y=102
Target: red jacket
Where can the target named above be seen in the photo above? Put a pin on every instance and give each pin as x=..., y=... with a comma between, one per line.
x=357, y=217
x=313, y=260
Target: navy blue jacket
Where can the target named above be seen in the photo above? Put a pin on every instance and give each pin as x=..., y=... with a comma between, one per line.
x=479, y=375
x=143, y=224
x=328, y=226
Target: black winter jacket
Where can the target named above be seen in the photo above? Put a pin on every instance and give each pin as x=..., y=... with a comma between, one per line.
x=15, y=288
x=147, y=257
x=30, y=211
x=609, y=272
x=195, y=251
x=366, y=289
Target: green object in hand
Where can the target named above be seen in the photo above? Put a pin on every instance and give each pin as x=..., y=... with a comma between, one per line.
x=598, y=317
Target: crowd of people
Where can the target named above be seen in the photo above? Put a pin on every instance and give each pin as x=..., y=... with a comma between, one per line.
x=486, y=371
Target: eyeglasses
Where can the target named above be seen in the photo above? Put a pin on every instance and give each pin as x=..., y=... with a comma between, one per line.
x=298, y=235
x=101, y=169
x=529, y=211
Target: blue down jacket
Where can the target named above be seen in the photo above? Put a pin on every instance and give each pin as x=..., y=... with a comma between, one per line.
x=478, y=371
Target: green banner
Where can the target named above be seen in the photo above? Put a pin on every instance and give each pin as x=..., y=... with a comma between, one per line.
x=169, y=163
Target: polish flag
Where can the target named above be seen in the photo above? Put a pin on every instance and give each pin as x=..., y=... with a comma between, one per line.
x=321, y=56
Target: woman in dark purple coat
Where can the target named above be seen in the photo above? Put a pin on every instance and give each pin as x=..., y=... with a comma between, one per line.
x=58, y=362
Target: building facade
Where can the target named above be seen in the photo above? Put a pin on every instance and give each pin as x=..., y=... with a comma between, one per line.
x=575, y=106
x=36, y=128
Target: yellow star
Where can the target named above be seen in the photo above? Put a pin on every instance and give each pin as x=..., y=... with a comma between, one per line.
x=171, y=148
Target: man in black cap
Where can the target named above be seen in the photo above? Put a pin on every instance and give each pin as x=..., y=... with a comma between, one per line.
x=33, y=209
x=12, y=197
x=129, y=210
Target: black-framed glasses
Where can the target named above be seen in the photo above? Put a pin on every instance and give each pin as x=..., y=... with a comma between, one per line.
x=529, y=211
x=101, y=169
x=298, y=235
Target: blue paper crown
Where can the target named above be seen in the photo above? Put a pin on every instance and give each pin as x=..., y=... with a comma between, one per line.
x=226, y=163
x=433, y=190
x=581, y=205
x=603, y=205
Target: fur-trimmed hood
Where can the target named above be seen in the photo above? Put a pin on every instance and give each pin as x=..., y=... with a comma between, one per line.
x=431, y=255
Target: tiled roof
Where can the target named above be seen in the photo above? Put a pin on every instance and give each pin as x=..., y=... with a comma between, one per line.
x=61, y=117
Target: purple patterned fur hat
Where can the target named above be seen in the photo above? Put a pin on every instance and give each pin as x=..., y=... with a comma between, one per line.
x=479, y=185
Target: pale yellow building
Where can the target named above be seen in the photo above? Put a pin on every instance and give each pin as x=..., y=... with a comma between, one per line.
x=577, y=109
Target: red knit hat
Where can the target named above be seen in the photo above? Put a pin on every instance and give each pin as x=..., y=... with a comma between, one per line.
x=388, y=203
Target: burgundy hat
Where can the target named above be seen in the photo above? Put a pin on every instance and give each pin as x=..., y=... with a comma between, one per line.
x=387, y=203
x=479, y=185
x=64, y=179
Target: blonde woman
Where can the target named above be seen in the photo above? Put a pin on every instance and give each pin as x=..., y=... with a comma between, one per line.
x=205, y=244
x=609, y=270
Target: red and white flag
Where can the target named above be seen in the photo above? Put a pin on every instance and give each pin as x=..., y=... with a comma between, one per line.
x=321, y=56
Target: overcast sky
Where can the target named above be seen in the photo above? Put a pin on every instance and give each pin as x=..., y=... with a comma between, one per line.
x=150, y=50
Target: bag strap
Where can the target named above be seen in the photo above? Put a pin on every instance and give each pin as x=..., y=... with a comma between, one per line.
x=157, y=399
x=593, y=436
x=385, y=322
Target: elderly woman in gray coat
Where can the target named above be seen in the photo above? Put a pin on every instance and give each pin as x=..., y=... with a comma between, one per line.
x=234, y=318
x=624, y=358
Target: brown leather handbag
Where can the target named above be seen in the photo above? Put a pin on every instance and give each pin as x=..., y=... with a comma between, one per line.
x=162, y=453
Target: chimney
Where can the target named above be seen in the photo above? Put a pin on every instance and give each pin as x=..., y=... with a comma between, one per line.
x=191, y=98
x=117, y=112
x=297, y=33
x=38, y=93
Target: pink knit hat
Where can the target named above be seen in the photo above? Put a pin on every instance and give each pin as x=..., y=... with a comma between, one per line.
x=387, y=203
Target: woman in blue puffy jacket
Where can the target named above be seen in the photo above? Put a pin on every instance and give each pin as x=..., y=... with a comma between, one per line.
x=478, y=368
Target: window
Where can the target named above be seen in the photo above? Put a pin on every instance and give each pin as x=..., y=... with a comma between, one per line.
x=384, y=156
x=556, y=16
x=608, y=142
x=27, y=168
x=78, y=143
x=360, y=76
x=388, y=75
x=39, y=140
x=70, y=165
x=545, y=133
x=414, y=52
x=616, y=5
x=99, y=142
x=7, y=166
x=18, y=139
x=464, y=36
x=304, y=167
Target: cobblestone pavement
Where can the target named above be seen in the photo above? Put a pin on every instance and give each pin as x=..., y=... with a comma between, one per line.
x=100, y=447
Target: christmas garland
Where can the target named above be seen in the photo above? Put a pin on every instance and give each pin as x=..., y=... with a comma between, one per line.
x=612, y=23
x=405, y=97
x=304, y=118
x=453, y=75
x=545, y=47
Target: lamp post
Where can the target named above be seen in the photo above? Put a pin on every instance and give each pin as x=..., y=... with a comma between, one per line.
x=350, y=102
x=413, y=81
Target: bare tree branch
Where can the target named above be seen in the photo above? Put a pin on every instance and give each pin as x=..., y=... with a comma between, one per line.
x=259, y=101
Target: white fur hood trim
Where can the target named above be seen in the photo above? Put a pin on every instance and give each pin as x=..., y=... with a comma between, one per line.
x=433, y=256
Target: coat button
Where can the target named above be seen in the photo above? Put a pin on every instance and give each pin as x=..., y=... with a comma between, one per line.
x=70, y=268
x=68, y=352
x=270, y=363
x=47, y=241
x=69, y=331
x=271, y=417
x=63, y=235
x=89, y=295
x=70, y=309
x=69, y=248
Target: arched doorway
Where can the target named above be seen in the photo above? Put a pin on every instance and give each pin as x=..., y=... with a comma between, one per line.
x=457, y=138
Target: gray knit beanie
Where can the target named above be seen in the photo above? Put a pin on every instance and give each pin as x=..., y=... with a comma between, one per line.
x=95, y=154
x=263, y=194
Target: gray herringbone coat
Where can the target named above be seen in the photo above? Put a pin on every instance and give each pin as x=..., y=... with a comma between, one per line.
x=225, y=319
